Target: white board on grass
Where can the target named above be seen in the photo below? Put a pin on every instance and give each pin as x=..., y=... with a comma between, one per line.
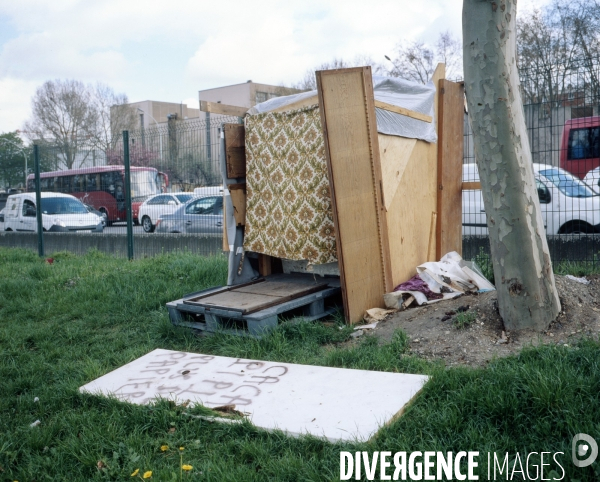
x=335, y=403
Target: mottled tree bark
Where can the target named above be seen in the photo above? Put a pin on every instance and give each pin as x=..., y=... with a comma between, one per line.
x=527, y=296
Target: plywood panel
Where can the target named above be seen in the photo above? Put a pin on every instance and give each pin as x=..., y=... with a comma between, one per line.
x=235, y=150
x=395, y=153
x=352, y=151
x=252, y=297
x=450, y=159
x=412, y=212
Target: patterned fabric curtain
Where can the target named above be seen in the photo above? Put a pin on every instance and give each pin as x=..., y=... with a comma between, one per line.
x=288, y=205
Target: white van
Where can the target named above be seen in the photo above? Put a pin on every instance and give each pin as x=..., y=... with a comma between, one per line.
x=208, y=191
x=568, y=205
x=60, y=213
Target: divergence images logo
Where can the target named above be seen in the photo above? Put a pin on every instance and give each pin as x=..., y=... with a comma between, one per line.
x=584, y=446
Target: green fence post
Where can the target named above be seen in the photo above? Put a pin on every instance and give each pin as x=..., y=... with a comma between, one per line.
x=38, y=200
x=128, y=195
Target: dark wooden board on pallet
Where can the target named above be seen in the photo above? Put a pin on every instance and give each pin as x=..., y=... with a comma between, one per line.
x=252, y=297
x=194, y=299
x=235, y=150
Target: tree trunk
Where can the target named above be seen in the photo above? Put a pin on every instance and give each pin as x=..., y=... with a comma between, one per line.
x=527, y=296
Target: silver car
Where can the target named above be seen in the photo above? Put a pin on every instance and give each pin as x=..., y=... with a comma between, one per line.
x=202, y=215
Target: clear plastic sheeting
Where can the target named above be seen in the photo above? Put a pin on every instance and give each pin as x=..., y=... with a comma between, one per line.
x=398, y=92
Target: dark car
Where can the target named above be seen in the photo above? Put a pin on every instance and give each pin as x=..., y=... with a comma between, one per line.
x=100, y=214
x=199, y=216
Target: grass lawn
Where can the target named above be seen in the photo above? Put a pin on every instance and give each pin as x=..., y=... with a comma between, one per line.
x=67, y=323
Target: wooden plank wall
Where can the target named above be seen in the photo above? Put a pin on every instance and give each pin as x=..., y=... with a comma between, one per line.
x=352, y=151
x=410, y=168
x=450, y=160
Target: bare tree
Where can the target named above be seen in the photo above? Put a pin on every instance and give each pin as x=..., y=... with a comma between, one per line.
x=558, y=49
x=75, y=119
x=63, y=115
x=417, y=61
x=113, y=115
x=527, y=296
x=309, y=81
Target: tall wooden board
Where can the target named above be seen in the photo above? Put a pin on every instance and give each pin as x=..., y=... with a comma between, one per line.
x=450, y=159
x=352, y=152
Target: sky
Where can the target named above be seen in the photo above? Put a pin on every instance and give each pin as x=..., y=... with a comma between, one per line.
x=169, y=50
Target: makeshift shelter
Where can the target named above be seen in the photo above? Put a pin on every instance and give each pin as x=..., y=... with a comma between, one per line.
x=349, y=180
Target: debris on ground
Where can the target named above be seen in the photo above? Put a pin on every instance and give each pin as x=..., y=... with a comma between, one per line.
x=578, y=280
x=435, y=281
x=376, y=314
x=436, y=334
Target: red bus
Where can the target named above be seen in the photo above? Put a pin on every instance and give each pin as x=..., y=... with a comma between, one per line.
x=103, y=187
x=580, y=145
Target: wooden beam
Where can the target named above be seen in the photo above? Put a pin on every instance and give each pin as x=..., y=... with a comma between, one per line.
x=264, y=264
x=401, y=110
x=224, y=109
x=235, y=150
x=468, y=186
x=450, y=124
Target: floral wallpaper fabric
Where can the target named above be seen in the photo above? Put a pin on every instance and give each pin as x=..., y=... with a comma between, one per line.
x=288, y=204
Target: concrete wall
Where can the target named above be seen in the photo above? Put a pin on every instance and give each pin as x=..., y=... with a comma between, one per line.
x=157, y=112
x=115, y=244
x=244, y=95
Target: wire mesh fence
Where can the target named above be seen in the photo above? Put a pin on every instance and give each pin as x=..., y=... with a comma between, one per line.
x=562, y=116
x=151, y=190
x=175, y=195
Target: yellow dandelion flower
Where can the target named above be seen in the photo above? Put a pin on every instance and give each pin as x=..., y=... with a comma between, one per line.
x=164, y=448
x=135, y=472
x=147, y=474
x=181, y=448
x=187, y=467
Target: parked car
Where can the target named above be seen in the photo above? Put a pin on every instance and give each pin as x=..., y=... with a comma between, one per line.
x=198, y=216
x=101, y=215
x=155, y=206
x=580, y=146
x=208, y=191
x=2, y=216
x=60, y=213
x=568, y=205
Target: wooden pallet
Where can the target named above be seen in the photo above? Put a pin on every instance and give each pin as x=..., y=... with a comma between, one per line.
x=255, y=308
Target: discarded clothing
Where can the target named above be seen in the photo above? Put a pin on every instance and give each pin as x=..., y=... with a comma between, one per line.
x=417, y=284
x=447, y=278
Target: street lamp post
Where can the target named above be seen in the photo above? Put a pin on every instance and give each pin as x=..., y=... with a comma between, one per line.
x=22, y=150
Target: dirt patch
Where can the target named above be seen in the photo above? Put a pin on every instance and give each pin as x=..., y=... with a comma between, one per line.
x=469, y=331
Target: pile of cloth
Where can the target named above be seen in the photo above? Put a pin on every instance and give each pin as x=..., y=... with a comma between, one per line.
x=447, y=278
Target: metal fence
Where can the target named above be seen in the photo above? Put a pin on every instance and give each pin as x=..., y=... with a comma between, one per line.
x=562, y=109
x=148, y=191
x=173, y=162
